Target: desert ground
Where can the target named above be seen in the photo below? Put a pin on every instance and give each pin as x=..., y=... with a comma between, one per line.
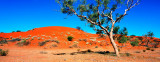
x=84, y=47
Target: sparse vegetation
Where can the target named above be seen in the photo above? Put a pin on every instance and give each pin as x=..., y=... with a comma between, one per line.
x=39, y=38
x=132, y=35
x=3, y=52
x=144, y=50
x=78, y=50
x=57, y=41
x=3, y=41
x=42, y=43
x=74, y=45
x=123, y=39
x=70, y=38
x=127, y=54
x=148, y=48
x=96, y=46
x=137, y=52
x=152, y=49
x=79, y=28
x=54, y=45
x=135, y=43
x=18, y=31
x=83, y=40
x=15, y=39
x=23, y=42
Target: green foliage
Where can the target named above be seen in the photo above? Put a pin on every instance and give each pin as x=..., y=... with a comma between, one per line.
x=135, y=43
x=4, y=41
x=132, y=35
x=128, y=54
x=3, y=53
x=144, y=50
x=70, y=38
x=23, y=42
x=148, y=48
x=42, y=43
x=57, y=41
x=99, y=31
x=18, y=31
x=124, y=31
x=150, y=34
x=123, y=39
x=116, y=30
x=96, y=46
x=152, y=49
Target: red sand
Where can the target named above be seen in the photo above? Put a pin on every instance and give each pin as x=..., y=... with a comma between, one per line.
x=61, y=34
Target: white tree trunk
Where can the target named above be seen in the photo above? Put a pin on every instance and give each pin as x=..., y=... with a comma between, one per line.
x=114, y=45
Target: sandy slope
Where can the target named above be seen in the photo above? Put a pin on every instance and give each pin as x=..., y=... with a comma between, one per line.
x=35, y=53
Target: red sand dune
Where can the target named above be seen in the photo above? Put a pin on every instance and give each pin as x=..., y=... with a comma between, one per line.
x=60, y=34
x=82, y=41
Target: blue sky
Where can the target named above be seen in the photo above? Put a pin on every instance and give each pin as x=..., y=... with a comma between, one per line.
x=28, y=14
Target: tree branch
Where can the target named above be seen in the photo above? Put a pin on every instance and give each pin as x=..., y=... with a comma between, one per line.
x=85, y=18
x=98, y=12
x=128, y=8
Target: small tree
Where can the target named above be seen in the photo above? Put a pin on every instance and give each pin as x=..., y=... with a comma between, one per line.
x=116, y=30
x=70, y=38
x=79, y=28
x=124, y=31
x=150, y=34
x=135, y=43
x=123, y=39
x=98, y=13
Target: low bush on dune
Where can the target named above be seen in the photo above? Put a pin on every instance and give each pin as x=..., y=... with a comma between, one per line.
x=3, y=53
x=15, y=39
x=73, y=46
x=43, y=42
x=54, y=45
x=96, y=46
x=123, y=39
x=134, y=43
x=70, y=38
x=3, y=41
x=144, y=50
x=152, y=49
x=148, y=48
x=23, y=42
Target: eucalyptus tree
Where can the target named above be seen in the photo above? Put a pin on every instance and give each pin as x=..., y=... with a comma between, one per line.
x=99, y=13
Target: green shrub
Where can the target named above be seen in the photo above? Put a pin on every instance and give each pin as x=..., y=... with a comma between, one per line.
x=134, y=43
x=123, y=39
x=41, y=43
x=3, y=53
x=144, y=50
x=147, y=48
x=152, y=49
x=70, y=38
x=57, y=41
x=96, y=46
x=3, y=41
x=137, y=52
x=0, y=50
x=127, y=54
x=23, y=42
x=54, y=45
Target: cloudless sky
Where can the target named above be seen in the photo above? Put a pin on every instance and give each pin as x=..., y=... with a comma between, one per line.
x=25, y=15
